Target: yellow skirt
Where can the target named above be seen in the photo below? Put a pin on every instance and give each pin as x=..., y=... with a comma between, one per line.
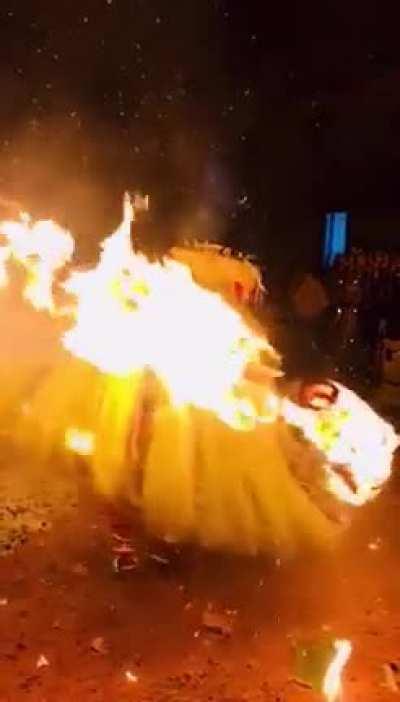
x=195, y=479
x=226, y=490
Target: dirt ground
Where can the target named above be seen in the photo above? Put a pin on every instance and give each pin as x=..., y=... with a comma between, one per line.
x=180, y=626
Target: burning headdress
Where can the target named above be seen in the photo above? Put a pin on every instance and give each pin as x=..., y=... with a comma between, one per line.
x=169, y=393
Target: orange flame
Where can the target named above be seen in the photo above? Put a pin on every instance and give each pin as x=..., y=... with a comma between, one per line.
x=41, y=248
x=133, y=314
x=130, y=314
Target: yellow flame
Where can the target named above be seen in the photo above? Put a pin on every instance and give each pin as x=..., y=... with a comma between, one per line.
x=79, y=441
x=42, y=248
x=133, y=314
x=350, y=435
x=332, y=683
x=4, y=257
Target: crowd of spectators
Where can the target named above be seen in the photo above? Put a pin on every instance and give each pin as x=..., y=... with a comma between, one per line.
x=348, y=313
x=364, y=296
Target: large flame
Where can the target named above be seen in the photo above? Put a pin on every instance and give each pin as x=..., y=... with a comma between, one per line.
x=42, y=248
x=130, y=315
x=134, y=314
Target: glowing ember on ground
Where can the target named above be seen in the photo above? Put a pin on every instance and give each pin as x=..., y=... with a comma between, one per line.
x=332, y=684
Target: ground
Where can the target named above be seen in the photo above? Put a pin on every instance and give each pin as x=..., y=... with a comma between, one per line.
x=182, y=626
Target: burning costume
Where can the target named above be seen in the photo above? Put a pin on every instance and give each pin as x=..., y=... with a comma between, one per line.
x=169, y=391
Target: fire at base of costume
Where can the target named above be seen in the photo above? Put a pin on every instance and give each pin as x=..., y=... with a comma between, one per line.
x=194, y=478
x=194, y=435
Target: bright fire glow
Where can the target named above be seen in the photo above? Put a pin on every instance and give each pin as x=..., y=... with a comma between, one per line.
x=332, y=683
x=355, y=441
x=130, y=314
x=131, y=677
x=134, y=314
x=41, y=248
x=79, y=441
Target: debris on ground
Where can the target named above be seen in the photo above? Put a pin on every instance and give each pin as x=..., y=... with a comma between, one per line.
x=391, y=672
x=30, y=506
x=131, y=677
x=125, y=562
x=123, y=549
x=42, y=662
x=80, y=569
x=77, y=636
x=159, y=559
x=98, y=645
x=217, y=623
x=125, y=554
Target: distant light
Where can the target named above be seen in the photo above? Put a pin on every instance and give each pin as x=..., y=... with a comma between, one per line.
x=335, y=237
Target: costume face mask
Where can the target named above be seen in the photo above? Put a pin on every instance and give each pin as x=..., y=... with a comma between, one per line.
x=356, y=443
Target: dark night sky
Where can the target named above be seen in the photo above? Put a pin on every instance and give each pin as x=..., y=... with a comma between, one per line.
x=240, y=118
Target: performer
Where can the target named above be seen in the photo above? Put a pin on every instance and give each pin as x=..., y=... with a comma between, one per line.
x=267, y=473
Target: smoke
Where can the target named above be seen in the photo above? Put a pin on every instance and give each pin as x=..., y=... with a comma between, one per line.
x=74, y=169
x=203, y=223
x=9, y=209
x=204, y=200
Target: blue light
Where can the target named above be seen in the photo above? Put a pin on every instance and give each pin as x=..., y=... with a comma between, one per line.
x=335, y=237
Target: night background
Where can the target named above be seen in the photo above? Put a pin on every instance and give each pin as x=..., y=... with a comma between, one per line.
x=186, y=515
x=245, y=122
